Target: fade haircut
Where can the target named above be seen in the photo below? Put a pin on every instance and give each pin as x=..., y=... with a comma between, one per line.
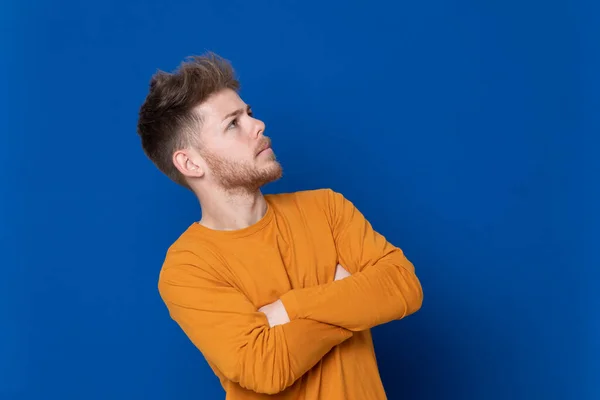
x=166, y=122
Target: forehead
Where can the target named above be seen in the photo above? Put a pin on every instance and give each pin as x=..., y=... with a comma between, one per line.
x=219, y=104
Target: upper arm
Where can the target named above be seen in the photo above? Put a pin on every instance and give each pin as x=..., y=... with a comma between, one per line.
x=216, y=317
x=357, y=243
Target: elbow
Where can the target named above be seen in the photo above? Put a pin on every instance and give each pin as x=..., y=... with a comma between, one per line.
x=263, y=384
x=270, y=382
x=262, y=374
x=414, y=301
x=271, y=389
x=408, y=287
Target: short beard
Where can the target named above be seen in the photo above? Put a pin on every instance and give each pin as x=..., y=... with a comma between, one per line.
x=241, y=177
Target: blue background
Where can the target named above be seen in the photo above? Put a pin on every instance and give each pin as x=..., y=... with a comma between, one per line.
x=465, y=131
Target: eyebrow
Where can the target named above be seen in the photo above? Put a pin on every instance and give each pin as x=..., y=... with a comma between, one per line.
x=236, y=112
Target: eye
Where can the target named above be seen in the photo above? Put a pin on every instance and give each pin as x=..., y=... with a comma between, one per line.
x=232, y=124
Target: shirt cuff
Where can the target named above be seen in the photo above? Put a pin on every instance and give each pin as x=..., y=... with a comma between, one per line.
x=290, y=302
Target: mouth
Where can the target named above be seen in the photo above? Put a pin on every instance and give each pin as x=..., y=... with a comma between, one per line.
x=264, y=148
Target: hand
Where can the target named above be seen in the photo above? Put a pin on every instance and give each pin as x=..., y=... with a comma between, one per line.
x=276, y=313
x=340, y=273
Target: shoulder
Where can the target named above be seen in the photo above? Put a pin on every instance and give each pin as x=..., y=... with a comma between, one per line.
x=315, y=203
x=190, y=256
x=320, y=197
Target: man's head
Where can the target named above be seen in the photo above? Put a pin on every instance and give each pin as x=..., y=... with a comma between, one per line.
x=198, y=131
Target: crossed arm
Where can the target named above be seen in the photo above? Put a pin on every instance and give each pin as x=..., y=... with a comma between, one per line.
x=377, y=283
x=233, y=336
x=277, y=314
x=267, y=350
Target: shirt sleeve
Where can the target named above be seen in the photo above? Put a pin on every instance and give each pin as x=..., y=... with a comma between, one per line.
x=236, y=338
x=382, y=287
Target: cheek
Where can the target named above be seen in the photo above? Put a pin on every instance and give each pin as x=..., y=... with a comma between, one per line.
x=239, y=150
x=233, y=148
x=235, y=154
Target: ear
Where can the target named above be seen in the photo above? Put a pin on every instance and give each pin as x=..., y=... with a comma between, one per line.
x=188, y=163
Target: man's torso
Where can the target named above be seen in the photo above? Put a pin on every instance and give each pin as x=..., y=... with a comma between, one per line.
x=296, y=249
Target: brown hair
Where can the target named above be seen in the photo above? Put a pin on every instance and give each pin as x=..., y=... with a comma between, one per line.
x=166, y=122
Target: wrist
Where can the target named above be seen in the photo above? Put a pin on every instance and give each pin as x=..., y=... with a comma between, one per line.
x=290, y=303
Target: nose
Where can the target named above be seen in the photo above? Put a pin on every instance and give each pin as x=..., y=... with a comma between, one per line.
x=258, y=128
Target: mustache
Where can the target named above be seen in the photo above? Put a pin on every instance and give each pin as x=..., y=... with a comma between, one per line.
x=264, y=143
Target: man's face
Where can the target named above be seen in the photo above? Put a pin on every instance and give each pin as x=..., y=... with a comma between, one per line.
x=233, y=146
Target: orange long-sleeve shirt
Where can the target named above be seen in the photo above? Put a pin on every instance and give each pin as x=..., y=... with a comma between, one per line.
x=214, y=282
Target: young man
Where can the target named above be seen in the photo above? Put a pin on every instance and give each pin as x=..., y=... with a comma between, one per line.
x=278, y=292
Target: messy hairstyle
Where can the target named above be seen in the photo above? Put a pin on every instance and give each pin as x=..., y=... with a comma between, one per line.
x=166, y=122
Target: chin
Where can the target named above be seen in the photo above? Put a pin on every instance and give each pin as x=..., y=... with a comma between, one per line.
x=273, y=172
x=268, y=162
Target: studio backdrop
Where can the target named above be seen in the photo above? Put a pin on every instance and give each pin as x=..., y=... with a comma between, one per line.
x=460, y=129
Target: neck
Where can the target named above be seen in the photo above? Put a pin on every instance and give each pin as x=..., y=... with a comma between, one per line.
x=226, y=211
